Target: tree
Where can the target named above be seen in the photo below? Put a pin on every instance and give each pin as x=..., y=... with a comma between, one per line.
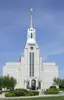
x=12, y=83
x=61, y=86
x=59, y=82
x=1, y=82
x=7, y=82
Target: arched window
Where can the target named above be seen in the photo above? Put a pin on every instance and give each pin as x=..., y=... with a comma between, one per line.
x=33, y=84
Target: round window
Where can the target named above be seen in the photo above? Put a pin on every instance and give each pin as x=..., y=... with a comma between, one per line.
x=31, y=48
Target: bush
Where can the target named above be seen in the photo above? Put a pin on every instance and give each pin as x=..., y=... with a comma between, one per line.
x=33, y=93
x=21, y=89
x=20, y=92
x=8, y=94
x=61, y=86
x=52, y=90
x=53, y=87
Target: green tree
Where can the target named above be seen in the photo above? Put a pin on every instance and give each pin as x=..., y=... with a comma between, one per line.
x=1, y=82
x=7, y=82
x=12, y=83
x=57, y=81
x=61, y=86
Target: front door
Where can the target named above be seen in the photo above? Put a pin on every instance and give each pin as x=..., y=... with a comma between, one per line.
x=33, y=84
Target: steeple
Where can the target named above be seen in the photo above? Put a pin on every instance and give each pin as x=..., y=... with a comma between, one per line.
x=31, y=18
x=31, y=31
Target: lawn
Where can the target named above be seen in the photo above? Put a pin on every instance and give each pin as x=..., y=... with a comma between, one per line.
x=44, y=98
x=48, y=98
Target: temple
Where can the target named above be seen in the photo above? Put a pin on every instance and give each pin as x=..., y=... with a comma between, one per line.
x=31, y=72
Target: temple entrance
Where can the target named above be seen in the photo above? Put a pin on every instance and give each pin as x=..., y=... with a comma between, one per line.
x=33, y=84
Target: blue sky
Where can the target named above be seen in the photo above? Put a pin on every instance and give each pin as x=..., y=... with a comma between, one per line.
x=48, y=20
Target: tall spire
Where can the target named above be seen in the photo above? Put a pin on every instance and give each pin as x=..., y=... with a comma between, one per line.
x=31, y=31
x=31, y=18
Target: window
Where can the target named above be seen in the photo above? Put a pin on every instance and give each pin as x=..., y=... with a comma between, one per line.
x=27, y=84
x=31, y=35
x=31, y=64
x=39, y=85
x=33, y=84
x=31, y=48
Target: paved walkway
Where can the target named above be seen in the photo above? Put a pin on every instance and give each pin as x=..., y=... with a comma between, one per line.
x=2, y=96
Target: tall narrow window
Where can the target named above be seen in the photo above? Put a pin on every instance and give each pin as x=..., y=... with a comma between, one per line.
x=31, y=64
x=27, y=84
x=39, y=85
x=31, y=35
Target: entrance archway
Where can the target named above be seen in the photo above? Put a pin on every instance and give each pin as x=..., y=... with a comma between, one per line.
x=33, y=84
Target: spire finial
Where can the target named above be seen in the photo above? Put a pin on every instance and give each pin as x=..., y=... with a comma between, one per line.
x=31, y=18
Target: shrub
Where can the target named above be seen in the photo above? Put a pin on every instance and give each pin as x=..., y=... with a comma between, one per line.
x=8, y=94
x=61, y=86
x=33, y=93
x=53, y=87
x=21, y=89
x=20, y=92
x=51, y=91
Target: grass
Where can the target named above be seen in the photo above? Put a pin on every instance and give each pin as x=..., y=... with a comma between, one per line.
x=44, y=98
x=48, y=98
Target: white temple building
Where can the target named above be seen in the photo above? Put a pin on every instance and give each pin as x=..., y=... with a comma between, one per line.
x=31, y=72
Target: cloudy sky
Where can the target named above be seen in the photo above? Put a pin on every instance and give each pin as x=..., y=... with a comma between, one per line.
x=48, y=20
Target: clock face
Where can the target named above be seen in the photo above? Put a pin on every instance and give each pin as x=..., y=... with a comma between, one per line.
x=31, y=48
